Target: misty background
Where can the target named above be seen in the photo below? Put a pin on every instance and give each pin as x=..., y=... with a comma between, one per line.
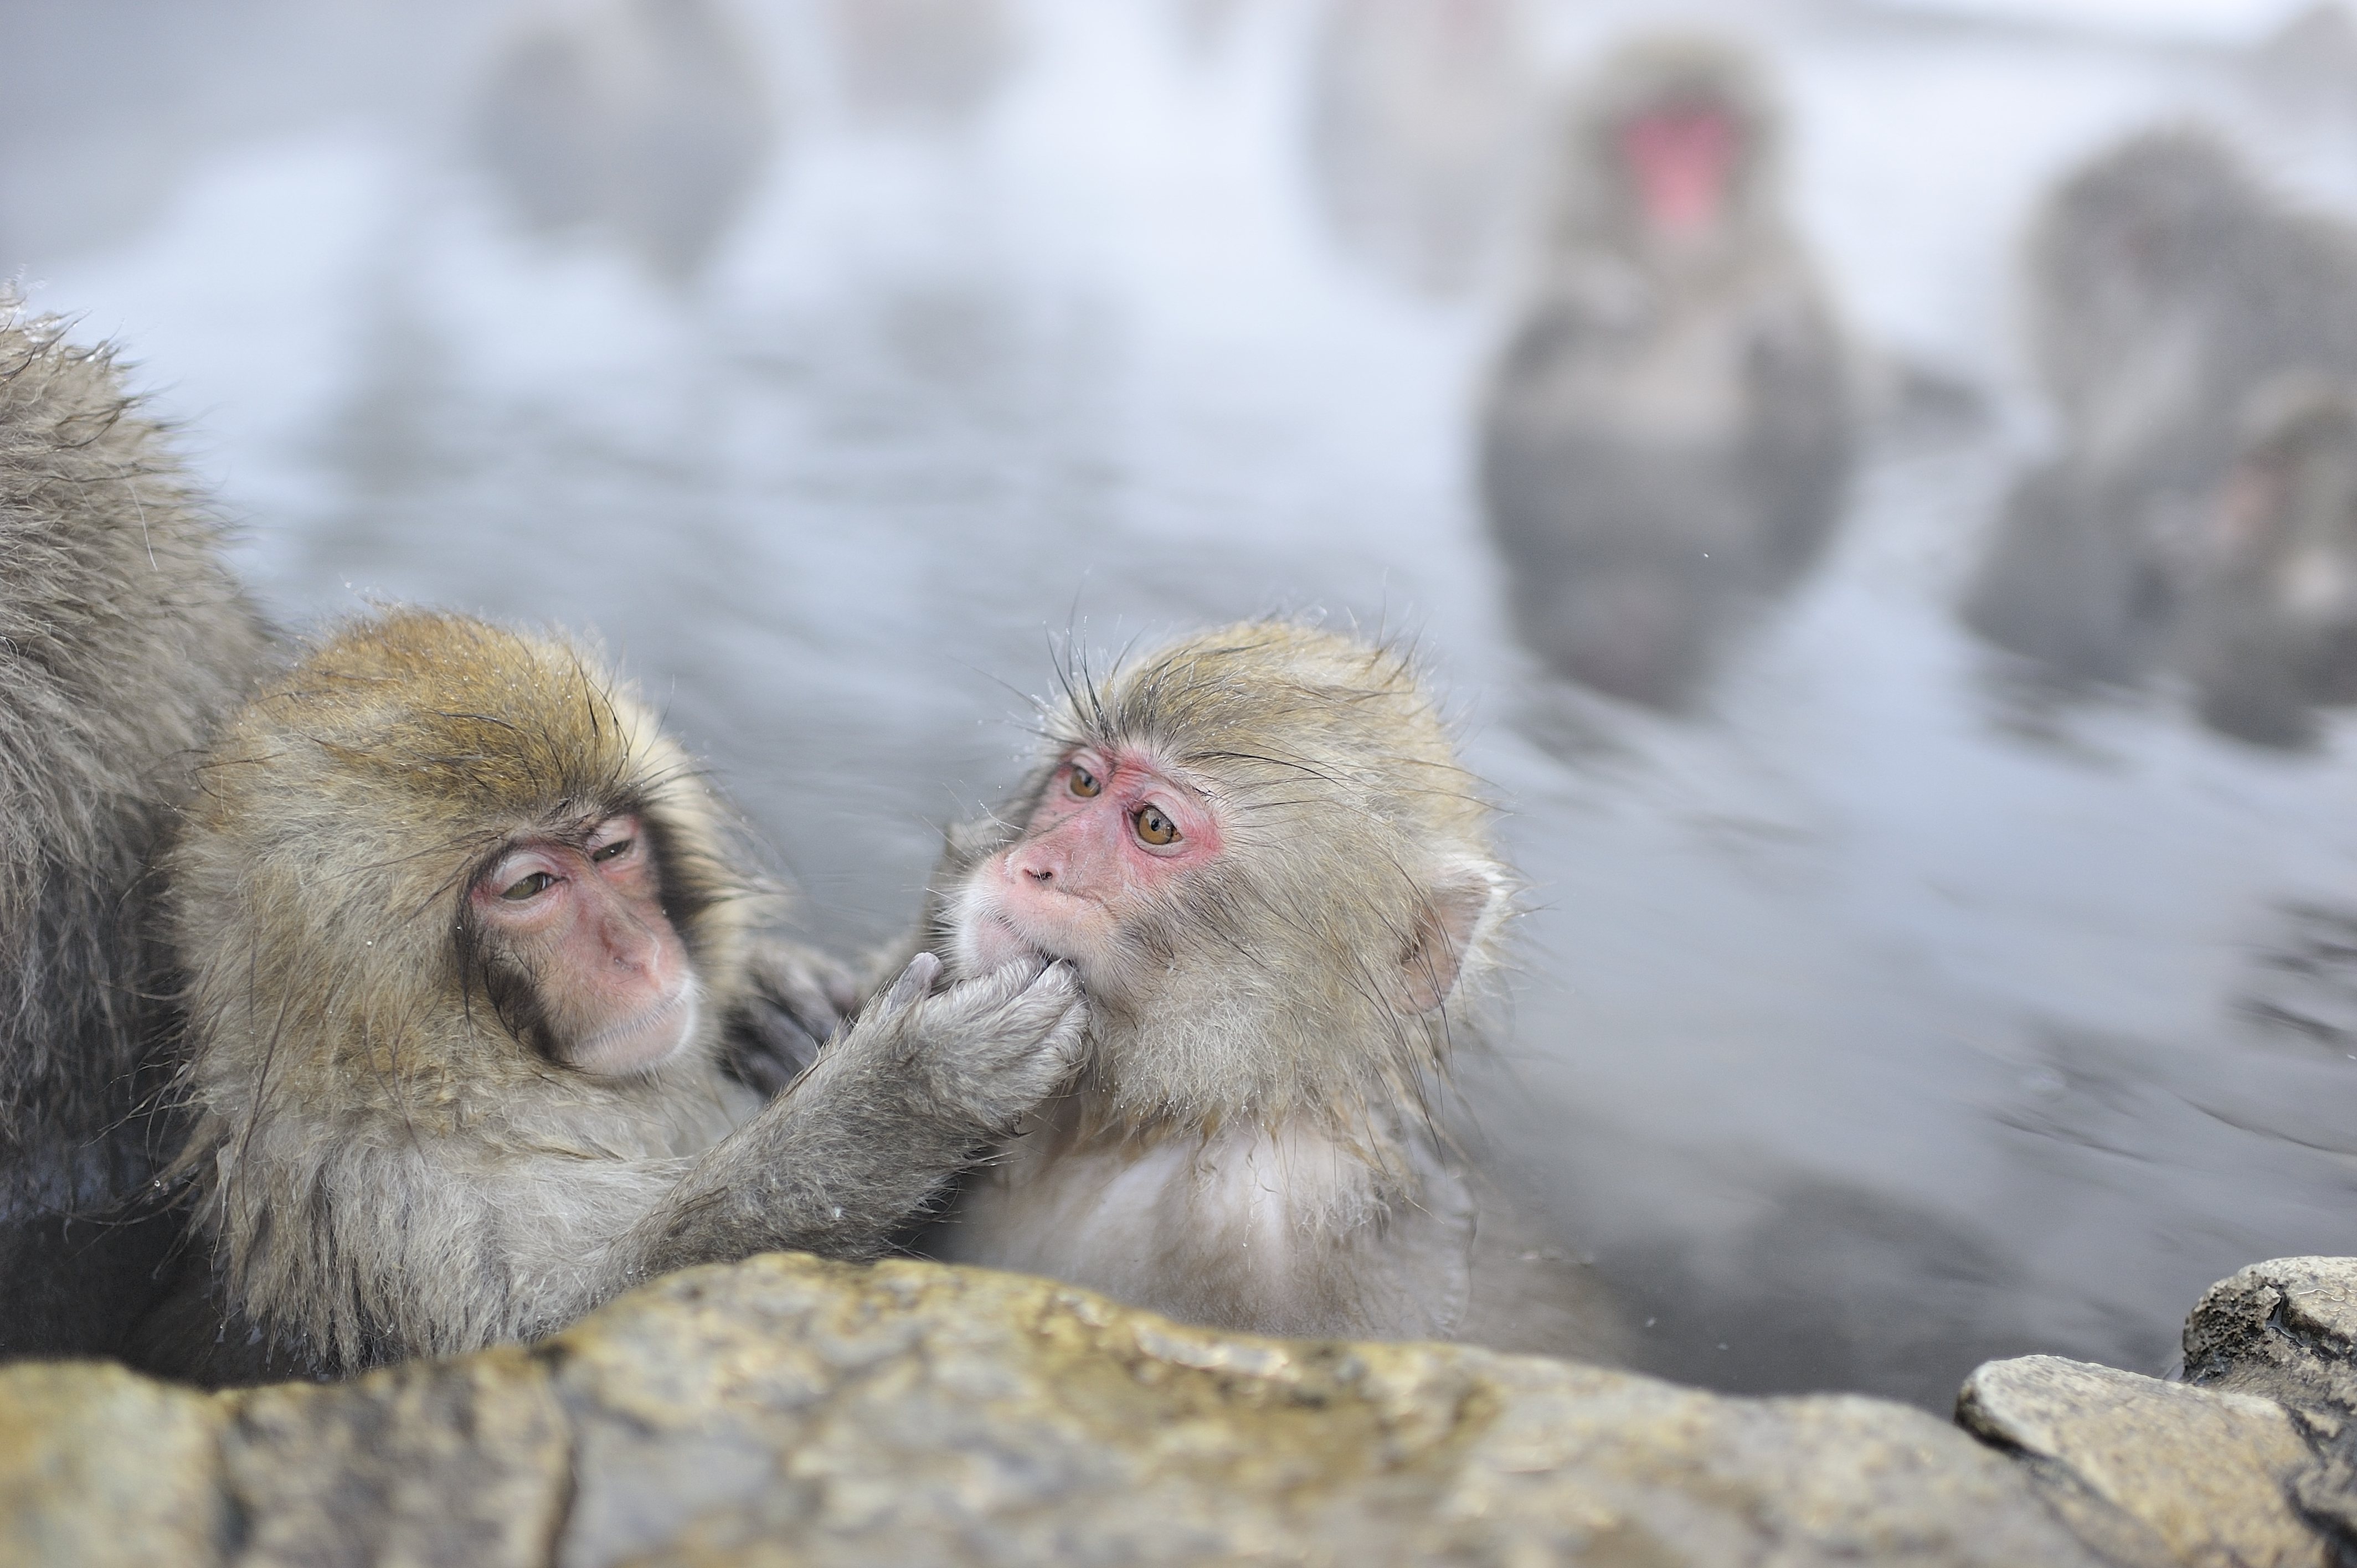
x=836, y=362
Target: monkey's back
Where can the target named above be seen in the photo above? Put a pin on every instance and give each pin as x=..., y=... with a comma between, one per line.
x=122, y=639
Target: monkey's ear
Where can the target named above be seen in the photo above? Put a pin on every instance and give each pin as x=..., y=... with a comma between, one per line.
x=1457, y=904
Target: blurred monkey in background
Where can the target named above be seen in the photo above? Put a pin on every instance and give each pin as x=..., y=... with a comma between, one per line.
x=646, y=119
x=922, y=64
x=2165, y=288
x=2269, y=628
x=1420, y=116
x=1667, y=436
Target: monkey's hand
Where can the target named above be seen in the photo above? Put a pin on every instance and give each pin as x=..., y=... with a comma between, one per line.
x=795, y=1000
x=983, y=1052
x=890, y=1112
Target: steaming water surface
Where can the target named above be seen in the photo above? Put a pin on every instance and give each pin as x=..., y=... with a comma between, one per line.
x=1879, y=1017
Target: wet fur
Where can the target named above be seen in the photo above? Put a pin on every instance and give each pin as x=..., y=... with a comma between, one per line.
x=122, y=639
x=384, y=1163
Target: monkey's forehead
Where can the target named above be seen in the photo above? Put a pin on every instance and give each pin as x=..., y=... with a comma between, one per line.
x=1269, y=670
x=447, y=712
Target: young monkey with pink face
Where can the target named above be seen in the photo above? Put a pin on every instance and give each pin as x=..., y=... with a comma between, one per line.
x=1256, y=849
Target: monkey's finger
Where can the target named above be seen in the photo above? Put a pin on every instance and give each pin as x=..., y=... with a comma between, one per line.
x=914, y=982
x=1067, y=1043
x=1055, y=978
x=1023, y=997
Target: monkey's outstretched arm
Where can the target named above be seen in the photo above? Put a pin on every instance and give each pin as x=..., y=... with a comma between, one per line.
x=890, y=1112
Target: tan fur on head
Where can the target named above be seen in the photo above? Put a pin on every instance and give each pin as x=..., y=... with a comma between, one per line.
x=323, y=871
x=340, y=817
x=1328, y=960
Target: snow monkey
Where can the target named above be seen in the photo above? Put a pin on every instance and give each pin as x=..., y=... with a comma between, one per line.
x=467, y=942
x=2269, y=582
x=123, y=641
x=1669, y=429
x=2168, y=287
x=1259, y=853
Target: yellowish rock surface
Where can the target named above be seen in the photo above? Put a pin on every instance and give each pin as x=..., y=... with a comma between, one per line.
x=792, y=1411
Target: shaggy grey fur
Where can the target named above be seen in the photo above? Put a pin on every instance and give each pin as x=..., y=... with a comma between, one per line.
x=122, y=639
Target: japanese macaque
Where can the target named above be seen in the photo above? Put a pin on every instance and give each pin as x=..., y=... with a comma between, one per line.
x=921, y=63
x=2165, y=286
x=1668, y=433
x=2269, y=628
x=1419, y=120
x=123, y=640
x=469, y=947
x=1258, y=851
x=644, y=119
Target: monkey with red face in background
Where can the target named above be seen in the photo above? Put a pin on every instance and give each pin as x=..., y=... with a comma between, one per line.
x=468, y=942
x=1668, y=433
x=1256, y=849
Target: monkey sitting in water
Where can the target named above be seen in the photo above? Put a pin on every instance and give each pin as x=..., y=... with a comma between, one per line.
x=1668, y=433
x=1257, y=850
x=465, y=938
x=2168, y=287
x=2269, y=580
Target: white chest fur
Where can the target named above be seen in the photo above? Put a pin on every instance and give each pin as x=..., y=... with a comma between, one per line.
x=1284, y=1229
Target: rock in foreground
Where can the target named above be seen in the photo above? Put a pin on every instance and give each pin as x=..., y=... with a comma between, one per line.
x=787, y=1410
x=2251, y=1461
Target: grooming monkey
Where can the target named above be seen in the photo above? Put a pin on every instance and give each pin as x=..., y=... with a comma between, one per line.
x=1669, y=430
x=466, y=940
x=123, y=640
x=1258, y=851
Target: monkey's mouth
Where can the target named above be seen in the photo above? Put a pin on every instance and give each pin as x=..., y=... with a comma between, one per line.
x=1000, y=942
x=989, y=939
x=640, y=1043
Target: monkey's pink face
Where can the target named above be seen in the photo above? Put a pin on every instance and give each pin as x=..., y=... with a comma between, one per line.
x=586, y=922
x=1679, y=157
x=1114, y=832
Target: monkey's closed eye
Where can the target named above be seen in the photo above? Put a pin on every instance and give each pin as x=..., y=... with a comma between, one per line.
x=614, y=851
x=1153, y=827
x=1084, y=783
x=531, y=887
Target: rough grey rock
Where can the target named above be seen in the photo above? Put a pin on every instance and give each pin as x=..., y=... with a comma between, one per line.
x=2253, y=1460
x=787, y=1410
x=2287, y=1330
x=2153, y=1472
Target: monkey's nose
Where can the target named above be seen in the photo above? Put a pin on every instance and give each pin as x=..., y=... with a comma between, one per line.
x=631, y=946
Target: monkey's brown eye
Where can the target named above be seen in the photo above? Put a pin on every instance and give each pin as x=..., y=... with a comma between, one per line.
x=1153, y=827
x=614, y=851
x=531, y=887
x=1084, y=783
